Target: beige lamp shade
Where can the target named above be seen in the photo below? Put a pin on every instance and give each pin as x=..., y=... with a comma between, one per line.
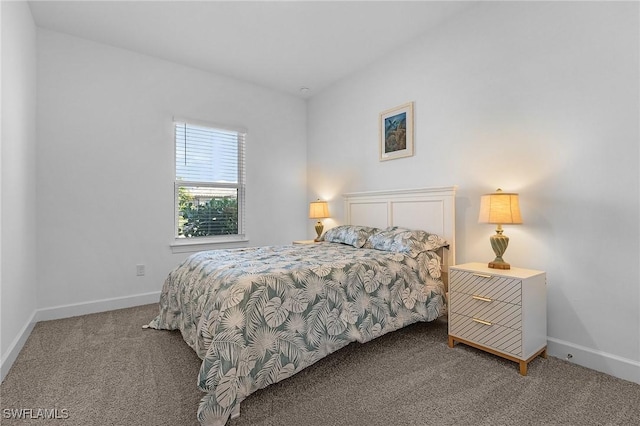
x=318, y=210
x=500, y=208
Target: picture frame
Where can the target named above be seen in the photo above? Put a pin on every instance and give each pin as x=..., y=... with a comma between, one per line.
x=396, y=132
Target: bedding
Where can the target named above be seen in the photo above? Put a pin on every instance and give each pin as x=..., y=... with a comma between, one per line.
x=256, y=316
x=353, y=235
x=403, y=240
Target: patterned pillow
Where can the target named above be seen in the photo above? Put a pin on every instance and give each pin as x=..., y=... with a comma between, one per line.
x=403, y=240
x=349, y=234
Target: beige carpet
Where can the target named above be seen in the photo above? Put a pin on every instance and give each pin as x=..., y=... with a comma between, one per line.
x=104, y=369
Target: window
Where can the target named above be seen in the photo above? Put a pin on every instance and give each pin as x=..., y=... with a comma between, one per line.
x=209, y=187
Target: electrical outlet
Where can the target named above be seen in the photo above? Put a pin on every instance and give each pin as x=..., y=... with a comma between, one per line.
x=140, y=270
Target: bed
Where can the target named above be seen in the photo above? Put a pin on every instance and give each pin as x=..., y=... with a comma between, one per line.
x=258, y=315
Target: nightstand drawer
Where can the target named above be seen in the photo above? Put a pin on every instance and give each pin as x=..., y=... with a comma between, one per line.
x=487, y=334
x=494, y=287
x=494, y=311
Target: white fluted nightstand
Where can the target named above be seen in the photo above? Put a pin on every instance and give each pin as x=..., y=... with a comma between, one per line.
x=304, y=242
x=503, y=312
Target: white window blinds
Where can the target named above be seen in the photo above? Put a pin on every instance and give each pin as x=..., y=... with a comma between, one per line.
x=209, y=184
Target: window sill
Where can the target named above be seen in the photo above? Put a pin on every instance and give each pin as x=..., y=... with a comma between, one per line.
x=188, y=245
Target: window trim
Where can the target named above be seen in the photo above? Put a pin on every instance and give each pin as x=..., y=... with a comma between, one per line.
x=207, y=124
x=182, y=244
x=186, y=245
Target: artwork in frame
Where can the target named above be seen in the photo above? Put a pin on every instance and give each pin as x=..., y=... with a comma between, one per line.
x=396, y=132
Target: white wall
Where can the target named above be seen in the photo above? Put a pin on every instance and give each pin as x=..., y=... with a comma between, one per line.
x=18, y=177
x=541, y=98
x=105, y=165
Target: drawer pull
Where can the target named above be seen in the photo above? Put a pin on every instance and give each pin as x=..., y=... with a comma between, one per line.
x=481, y=321
x=483, y=275
x=484, y=299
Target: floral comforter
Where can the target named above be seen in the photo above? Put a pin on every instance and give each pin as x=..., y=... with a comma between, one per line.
x=256, y=316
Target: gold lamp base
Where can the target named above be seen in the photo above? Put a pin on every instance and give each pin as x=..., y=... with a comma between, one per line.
x=499, y=243
x=499, y=265
x=319, y=228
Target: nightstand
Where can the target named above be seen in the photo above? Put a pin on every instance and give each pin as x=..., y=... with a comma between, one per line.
x=304, y=242
x=503, y=312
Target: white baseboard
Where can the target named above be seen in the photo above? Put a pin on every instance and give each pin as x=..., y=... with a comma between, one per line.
x=67, y=311
x=95, y=306
x=16, y=346
x=604, y=362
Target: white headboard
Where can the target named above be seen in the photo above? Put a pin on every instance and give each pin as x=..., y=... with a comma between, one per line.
x=429, y=209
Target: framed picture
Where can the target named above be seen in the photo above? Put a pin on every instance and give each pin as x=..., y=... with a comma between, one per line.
x=396, y=132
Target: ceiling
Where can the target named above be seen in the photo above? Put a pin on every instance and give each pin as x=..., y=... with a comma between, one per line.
x=283, y=45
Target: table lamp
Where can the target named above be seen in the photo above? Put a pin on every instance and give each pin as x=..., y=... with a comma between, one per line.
x=318, y=210
x=500, y=208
